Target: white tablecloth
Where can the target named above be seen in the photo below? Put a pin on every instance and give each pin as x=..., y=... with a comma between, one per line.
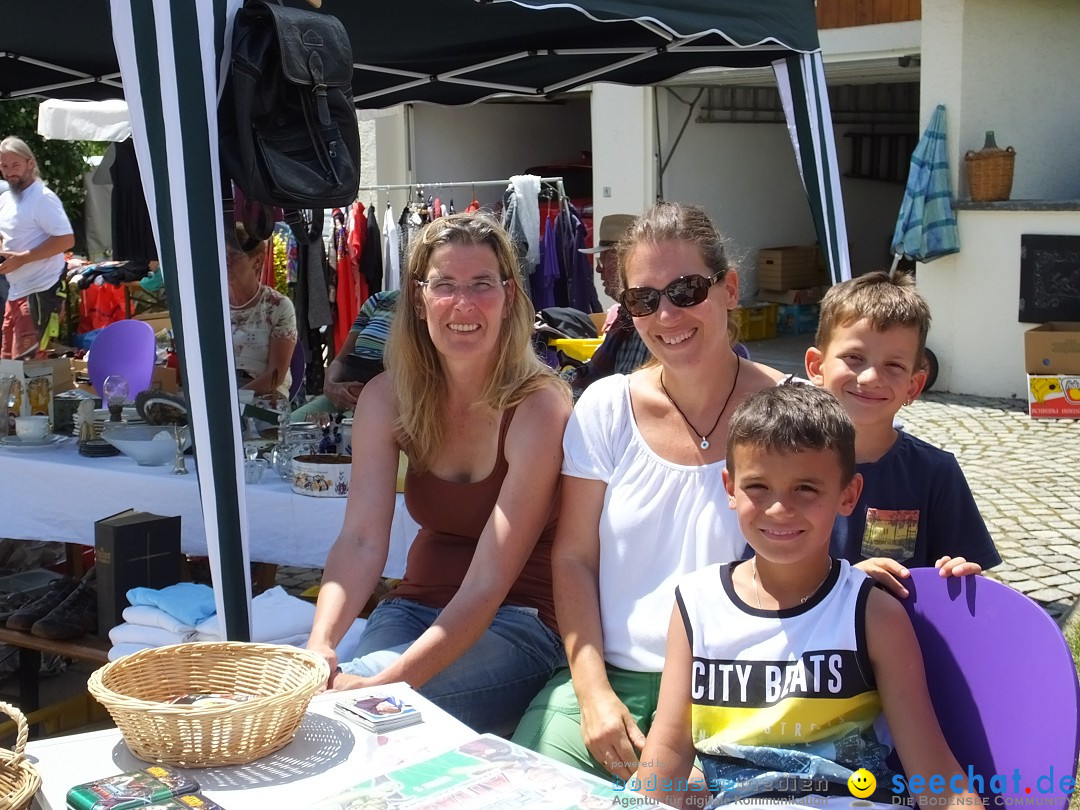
x=54, y=493
x=327, y=755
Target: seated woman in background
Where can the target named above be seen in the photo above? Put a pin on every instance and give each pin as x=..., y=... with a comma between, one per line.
x=263, y=320
x=360, y=358
x=480, y=417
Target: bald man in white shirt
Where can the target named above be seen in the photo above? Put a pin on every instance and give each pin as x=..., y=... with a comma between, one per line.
x=34, y=234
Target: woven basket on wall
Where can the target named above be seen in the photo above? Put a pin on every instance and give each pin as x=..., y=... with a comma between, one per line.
x=136, y=689
x=19, y=781
x=990, y=171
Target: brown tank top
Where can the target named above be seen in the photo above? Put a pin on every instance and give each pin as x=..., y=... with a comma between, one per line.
x=452, y=515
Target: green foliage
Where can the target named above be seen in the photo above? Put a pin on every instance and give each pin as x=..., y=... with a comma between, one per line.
x=60, y=163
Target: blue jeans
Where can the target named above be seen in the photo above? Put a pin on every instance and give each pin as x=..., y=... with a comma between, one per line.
x=491, y=684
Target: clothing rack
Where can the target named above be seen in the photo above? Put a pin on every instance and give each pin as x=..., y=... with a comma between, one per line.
x=556, y=182
x=551, y=181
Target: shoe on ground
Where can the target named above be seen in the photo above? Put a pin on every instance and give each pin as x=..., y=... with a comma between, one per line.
x=10, y=602
x=59, y=590
x=76, y=616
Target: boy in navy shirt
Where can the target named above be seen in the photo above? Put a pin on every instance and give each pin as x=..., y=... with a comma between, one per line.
x=916, y=508
x=781, y=670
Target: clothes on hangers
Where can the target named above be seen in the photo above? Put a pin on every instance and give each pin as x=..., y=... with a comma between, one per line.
x=371, y=259
x=343, y=302
x=527, y=211
x=391, y=251
x=576, y=268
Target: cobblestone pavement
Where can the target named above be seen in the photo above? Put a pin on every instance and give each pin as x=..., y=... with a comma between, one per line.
x=1026, y=479
x=1024, y=473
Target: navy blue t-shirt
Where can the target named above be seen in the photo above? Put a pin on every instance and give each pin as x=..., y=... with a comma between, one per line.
x=915, y=507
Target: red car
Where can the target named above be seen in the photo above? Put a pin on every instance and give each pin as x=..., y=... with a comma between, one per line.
x=577, y=181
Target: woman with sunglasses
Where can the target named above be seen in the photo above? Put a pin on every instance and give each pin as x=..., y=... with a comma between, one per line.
x=472, y=624
x=643, y=501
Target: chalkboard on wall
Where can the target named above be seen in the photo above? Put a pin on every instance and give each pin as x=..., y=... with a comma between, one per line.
x=1049, y=278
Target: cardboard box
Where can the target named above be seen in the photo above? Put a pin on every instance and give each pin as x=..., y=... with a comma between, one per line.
x=1053, y=396
x=80, y=377
x=133, y=550
x=787, y=268
x=1052, y=348
x=35, y=383
x=164, y=378
x=158, y=320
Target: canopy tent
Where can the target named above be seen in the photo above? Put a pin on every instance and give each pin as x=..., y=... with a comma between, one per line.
x=440, y=51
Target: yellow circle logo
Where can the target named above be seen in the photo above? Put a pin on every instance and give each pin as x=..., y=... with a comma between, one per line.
x=861, y=783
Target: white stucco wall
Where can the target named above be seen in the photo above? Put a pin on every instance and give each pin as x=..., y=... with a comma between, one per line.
x=747, y=177
x=624, y=157
x=1008, y=67
x=1019, y=66
x=493, y=141
x=478, y=142
x=974, y=299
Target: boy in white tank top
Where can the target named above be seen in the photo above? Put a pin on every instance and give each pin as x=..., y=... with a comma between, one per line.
x=781, y=670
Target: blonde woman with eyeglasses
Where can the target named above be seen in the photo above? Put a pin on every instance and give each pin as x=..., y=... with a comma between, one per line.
x=472, y=625
x=643, y=501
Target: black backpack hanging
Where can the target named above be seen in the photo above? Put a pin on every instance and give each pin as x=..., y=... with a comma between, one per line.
x=288, y=126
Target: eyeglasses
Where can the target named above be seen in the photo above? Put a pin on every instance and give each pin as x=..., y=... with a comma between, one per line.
x=443, y=288
x=685, y=291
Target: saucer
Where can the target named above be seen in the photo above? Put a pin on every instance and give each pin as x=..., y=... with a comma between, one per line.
x=20, y=443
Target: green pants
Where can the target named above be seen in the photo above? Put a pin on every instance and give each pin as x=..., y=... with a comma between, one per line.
x=319, y=404
x=552, y=723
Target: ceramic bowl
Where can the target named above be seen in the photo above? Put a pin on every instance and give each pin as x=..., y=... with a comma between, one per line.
x=321, y=476
x=148, y=445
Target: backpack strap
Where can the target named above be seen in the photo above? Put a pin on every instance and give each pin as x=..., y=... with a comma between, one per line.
x=306, y=224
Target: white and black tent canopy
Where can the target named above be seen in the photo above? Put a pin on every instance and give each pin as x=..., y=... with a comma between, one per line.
x=165, y=57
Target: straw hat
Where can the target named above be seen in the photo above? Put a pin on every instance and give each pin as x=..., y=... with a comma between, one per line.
x=612, y=228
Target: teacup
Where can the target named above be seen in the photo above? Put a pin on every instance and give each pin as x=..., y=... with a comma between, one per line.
x=31, y=427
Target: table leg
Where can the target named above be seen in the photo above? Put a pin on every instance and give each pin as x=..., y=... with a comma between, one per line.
x=29, y=673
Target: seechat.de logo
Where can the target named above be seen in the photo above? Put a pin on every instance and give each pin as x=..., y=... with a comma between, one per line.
x=861, y=783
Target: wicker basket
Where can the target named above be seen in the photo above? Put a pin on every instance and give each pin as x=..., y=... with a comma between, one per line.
x=136, y=690
x=18, y=779
x=990, y=173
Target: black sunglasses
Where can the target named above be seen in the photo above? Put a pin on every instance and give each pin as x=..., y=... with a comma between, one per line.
x=685, y=291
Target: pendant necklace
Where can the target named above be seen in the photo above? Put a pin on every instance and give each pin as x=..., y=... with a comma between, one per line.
x=704, y=436
x=803, y=601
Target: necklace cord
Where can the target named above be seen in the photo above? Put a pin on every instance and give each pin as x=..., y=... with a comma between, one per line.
x=803, y=601
x=250, y=301
x=727, y=401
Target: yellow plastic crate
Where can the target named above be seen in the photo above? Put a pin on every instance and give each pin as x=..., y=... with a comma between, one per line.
x=756, y=322
x=580, y=349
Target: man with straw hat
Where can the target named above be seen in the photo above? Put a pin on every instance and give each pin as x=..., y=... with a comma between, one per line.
x=622, y=350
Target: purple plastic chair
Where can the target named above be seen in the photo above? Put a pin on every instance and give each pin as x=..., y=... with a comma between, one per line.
x=127, y=348
x=1002, y=681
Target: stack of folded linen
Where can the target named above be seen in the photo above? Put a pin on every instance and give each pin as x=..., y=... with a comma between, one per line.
x=185, y=612
x=279, y=618
x=276, y=618
x=158, y=617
